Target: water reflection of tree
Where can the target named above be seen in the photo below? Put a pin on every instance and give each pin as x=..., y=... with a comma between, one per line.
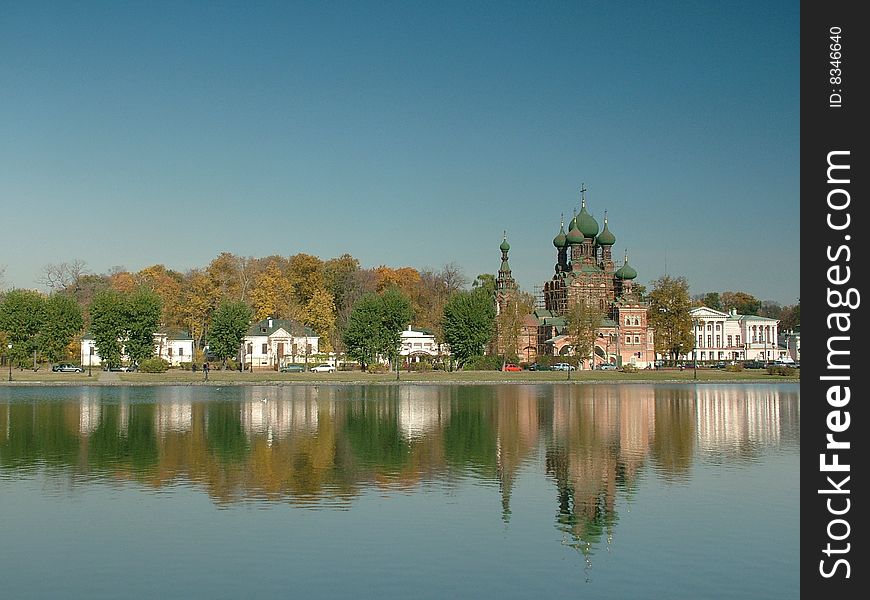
x=674, y=439
x=225, y=435
x=329, y=445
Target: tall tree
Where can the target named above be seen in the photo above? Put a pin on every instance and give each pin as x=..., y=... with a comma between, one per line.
x=319, y=314
x=746, y=304
x=791, y=318
x=306, y=275
x=109, y=325
x=228, y=326
x=509, y=325
x=363, y=329
x=199, y=298
x=142, y=318
x=375, y=326
x=22, y=316
x=668, y=314
x=63, y=321
x=273, y=294
x=397, y=314
x=712, y=300
x=58, y=277
x=338, y=277
x=582, y=322
x=167, y=284
x=468, y=323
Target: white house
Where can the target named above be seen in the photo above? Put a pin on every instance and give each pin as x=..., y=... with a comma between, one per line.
x=418, y=343
x=275, y=342
x=729, y=336
x=175, y=348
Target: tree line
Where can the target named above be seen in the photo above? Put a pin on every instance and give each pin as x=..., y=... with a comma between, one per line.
x=355, y=311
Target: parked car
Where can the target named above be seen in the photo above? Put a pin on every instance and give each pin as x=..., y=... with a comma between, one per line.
x=67, y=368
x=118, y=368
x=538, y=367
x=753, y=364
x=607, y=367
x=292, y=369
x=323, y=369
x=720, y=365
x=564, y=367
x=512, y=367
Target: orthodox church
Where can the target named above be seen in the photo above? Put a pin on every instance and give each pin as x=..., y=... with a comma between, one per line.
x=584, y=272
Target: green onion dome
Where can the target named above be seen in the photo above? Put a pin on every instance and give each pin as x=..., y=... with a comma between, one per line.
x=560, y=240
x=587, y=225
x=606, y=237
x=625, y=271
x=504, y=247
x=575, y=236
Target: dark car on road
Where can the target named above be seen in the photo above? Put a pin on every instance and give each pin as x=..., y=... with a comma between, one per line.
x=538, y=367
x=753, y=364
x=292, y=369
x=67, y=368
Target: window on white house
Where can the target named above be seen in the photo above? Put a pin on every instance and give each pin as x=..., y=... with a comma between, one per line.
x=265, y=349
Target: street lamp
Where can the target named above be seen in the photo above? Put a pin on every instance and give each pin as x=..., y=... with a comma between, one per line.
x=9, y=358
x=90, y=359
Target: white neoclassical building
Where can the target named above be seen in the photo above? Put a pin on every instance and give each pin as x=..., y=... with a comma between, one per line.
x=418, y=343
x=174, y=348
x=271, y=343
x=730, y=336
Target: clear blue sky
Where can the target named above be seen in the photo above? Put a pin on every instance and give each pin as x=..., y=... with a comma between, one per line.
x=407, y=134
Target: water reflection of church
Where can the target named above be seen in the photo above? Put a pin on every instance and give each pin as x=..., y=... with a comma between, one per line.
x=585, y=272
x=328, y=445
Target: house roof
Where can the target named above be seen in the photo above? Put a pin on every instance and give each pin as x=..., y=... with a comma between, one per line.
x=292, y=327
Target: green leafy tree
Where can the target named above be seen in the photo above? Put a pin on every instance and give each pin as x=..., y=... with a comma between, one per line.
x=468, y=323
x=582, y=322
x=668, y=314
x=22, y=316
x=791, y=318
x=63, y=321
x=712, y=300
x=746, y=304
x=375, y=326
x=228, y=326
x=362, y=331
x=396, y=315
x=143, y=311
x=109, y=325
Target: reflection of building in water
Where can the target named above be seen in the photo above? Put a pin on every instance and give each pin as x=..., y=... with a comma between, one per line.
x=173, y=416
x=422, y=410
x=278, y=411
x=517, y=437
x=736, y=421
x=89, y=415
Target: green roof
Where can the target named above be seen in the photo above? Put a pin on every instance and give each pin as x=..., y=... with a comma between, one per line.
x=586, y=223
x=291, y=327
x=606, y=237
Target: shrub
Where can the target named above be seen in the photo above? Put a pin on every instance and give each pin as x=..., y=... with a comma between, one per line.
x=490, y=362
x=629, y=368
x=185, y=366
x=377, y=368
x=153, y=365
x=780, y=370
x=734, y=368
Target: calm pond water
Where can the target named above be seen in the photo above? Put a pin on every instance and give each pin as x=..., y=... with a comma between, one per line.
x=426, y=491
